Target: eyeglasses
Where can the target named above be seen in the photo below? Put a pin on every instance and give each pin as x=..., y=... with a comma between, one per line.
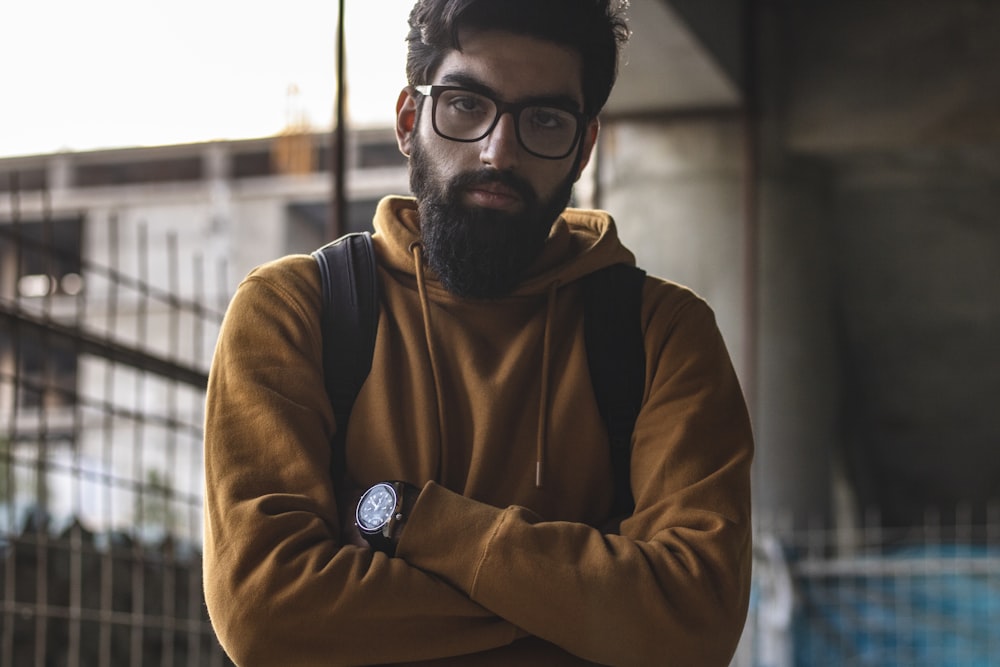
x=460, y=114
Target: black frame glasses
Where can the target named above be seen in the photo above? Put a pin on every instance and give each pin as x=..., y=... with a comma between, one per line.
x=520, y=112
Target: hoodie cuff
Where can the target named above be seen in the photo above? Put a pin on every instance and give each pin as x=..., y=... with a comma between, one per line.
x=449, y=535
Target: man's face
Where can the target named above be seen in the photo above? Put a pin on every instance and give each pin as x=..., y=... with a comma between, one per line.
x=486, y=207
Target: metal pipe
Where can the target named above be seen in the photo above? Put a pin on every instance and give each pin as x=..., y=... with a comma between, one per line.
x=751, y=204
x=338, y=205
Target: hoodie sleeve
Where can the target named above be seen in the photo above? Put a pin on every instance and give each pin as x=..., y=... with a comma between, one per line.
x=281, y=589
x=673, y=587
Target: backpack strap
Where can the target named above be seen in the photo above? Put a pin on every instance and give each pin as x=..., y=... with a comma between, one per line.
x=617, y=359
x=349, y=323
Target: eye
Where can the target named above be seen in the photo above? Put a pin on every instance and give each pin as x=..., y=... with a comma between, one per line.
x=464, y=102
x=549, y=118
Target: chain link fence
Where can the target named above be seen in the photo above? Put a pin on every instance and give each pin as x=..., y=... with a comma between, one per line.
x=102, y=379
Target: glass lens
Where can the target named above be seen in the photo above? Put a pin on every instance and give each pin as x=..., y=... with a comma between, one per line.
x=547, y=131
x=463, y=115
x=467, y=116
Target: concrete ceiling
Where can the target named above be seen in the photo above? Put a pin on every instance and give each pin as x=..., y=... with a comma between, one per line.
x=666, y=68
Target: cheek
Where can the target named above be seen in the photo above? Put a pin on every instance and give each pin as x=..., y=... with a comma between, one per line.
x=448, y=157
x=459, y=156
x=553, y=178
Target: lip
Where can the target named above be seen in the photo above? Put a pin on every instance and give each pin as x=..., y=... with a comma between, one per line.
x=493, y=195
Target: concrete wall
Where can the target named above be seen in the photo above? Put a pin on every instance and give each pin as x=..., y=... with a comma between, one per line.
x=918, y=294
x=901, y=105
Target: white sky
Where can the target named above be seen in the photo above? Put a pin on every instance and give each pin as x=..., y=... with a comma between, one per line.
x=86, y=74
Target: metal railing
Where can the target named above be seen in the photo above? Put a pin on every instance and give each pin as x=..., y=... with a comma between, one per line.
x=102, y=380
x=926, y=596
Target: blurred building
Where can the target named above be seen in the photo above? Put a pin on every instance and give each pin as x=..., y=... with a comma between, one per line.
x=167, y=225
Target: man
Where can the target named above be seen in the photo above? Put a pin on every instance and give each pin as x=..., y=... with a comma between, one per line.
x=479, y=403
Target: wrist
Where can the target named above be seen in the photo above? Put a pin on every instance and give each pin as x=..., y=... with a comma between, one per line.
x=382, y=513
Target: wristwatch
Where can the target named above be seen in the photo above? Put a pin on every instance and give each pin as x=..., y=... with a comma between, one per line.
x=382, y=513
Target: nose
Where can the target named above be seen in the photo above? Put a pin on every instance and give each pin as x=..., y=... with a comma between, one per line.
x=500, y=148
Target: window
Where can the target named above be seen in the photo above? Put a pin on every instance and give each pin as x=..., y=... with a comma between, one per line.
x=42, y=261
x=49, y=254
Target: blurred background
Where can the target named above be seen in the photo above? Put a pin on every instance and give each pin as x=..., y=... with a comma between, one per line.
x=825, y=174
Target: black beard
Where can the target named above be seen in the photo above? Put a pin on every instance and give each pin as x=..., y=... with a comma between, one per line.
x=481, y=253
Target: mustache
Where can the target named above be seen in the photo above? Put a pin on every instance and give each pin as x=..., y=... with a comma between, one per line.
x=470, y=179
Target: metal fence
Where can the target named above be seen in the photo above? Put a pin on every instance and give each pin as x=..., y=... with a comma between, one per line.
x=102, y=379
x=923, y=597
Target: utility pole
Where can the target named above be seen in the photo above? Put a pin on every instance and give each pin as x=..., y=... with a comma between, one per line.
x=337, y=223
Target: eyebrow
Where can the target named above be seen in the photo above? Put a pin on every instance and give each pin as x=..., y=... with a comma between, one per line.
x=477, y=86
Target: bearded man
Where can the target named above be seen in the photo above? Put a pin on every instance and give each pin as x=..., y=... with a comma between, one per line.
x=477, y=430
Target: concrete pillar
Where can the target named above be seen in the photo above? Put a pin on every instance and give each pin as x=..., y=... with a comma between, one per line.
x=675, y=188
x=798, y=377
x=60, y=174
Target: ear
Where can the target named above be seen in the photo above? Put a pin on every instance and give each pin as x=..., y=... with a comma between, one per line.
x=589, y=141
x=406, y=119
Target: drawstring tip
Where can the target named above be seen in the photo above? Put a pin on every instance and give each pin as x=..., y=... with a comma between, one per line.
x=538, y=474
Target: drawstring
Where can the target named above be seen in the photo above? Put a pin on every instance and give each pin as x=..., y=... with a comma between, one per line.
x=542, y=435
x=543, y=408
x=418, y=260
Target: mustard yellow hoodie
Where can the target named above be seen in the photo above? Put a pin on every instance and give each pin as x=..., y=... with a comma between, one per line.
x=465, y=397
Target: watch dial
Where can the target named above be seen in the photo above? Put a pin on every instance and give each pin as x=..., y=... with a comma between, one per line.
x=376, y=507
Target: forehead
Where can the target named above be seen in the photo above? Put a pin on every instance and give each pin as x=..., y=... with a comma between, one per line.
x=514, y=66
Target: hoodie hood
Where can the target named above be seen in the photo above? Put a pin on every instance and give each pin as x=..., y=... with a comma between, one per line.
x=580, y=242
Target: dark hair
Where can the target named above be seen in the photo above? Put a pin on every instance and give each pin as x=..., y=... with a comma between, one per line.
x=594, y=28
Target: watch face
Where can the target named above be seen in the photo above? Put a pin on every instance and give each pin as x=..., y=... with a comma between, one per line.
x=375, y=507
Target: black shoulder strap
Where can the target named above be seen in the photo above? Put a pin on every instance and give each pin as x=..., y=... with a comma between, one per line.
x=617, y=358
x=349, y=323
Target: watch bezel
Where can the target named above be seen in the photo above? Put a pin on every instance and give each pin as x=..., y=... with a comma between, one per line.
x=389, y=518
